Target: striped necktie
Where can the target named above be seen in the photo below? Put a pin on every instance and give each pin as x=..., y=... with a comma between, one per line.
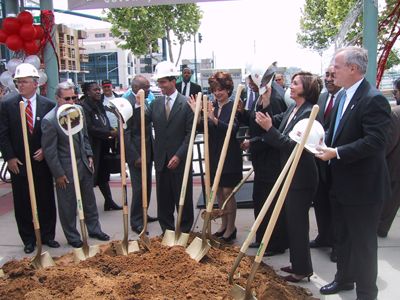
x=29, y=116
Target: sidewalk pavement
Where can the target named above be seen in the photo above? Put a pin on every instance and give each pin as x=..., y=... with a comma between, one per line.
x=11, y=246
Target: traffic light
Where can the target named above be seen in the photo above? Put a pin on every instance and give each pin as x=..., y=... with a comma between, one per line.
x=200, y=37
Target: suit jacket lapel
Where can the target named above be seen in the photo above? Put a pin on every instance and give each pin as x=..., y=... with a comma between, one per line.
x=292, y=122
x=321, y=112
x=39, y=114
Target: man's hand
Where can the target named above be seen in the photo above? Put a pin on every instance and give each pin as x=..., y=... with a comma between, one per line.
x=326, y=153
x=38, y=155
x=174, y=162
x=245, y=145
x=62, y=181
x=12, y=165
x=91, y=164
x=138, y=163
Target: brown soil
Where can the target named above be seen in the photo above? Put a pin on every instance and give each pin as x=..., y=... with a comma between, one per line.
x=215, y=213
x=162, y=273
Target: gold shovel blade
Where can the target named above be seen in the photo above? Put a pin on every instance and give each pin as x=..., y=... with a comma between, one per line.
x=1, y=273
x=42, y=261
x=172, y=238
x=124, y=248
x=79, y=253
x=198, y=249
x=239, y=293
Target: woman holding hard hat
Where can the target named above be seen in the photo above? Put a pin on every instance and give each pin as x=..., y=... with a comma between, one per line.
x=305, y=90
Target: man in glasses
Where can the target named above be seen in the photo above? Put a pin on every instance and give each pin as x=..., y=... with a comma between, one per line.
x=279, y=79
x=12, y=147
x=56, y=151
x=391, y=205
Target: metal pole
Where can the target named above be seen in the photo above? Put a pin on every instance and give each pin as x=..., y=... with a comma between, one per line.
x=107, y=65
x=10, y=7
x=370, y=39
x=195, y=58
x=49, y=56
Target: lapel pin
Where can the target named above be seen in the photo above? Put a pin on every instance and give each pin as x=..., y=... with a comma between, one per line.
x=37, y=118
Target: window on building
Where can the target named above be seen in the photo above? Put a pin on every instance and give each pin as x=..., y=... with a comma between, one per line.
x=126, y=34
x=99, y=35
x=102, y=46
x=110, y=35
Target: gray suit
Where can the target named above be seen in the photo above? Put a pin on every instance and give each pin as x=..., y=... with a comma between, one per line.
x=171, y=139
x=55, y=145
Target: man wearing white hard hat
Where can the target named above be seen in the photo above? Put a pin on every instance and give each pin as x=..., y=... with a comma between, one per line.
x=12, y=147
x=56, y=151
x=172, y=119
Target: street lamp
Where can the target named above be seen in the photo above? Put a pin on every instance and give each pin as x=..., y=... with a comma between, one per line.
x=106, y=56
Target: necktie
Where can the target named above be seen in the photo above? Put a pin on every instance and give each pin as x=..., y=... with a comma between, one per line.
x=29, y=116
x=184, y=90
x=339, y=114
x=250, y=102
x=329, y=108
x=167, y=108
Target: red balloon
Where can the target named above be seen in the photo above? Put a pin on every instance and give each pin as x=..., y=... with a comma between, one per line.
x=39, y=32
x=11, y=25
x=25, y=17
x=27, y=32
x=3, y=36
x=30, y=47
x=14, y=42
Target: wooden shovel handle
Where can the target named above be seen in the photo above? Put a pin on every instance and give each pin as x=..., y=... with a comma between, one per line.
x=206, y=149
x=224, y=150
x=29, y=166
x=237, y=187
x=123, y=166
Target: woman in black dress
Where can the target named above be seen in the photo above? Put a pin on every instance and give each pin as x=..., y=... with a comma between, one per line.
x=100, y=134
x=219, y=114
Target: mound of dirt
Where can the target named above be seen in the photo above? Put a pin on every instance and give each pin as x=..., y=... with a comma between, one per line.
x=161, y=273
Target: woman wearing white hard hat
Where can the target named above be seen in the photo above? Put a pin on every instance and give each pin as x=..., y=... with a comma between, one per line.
x=305, y=90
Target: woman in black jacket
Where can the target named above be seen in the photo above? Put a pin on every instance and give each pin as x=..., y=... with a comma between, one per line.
x=100, y=134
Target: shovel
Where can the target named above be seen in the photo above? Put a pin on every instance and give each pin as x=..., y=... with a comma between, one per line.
x=179, y=238
x=238, y=292
x=199, y=247
x=217, y=213
x=85, y=251
x=41, y=260
x=143, y=236
x=125, y=247
x=1, y=273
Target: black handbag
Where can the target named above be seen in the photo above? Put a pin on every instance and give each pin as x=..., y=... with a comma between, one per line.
x=113, y=163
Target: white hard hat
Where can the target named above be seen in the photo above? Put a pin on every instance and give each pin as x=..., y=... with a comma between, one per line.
x=25, y=70
x=262, y=74
x=75, y=115
x=121, y=106
x=315, y=138
x=288, y=100
x=165, y=69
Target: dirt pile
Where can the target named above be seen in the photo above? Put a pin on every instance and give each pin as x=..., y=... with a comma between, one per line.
x=162, y=273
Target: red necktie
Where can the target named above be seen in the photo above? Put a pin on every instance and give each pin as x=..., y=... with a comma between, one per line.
x=29, y=116
x=329, y=108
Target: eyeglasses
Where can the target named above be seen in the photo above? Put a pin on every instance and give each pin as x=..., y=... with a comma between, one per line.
x=69, y=98
x=23, y=83
x=278, y=79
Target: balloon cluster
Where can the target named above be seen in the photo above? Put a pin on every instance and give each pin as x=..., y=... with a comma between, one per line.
x=20, y=33
x=6, y=78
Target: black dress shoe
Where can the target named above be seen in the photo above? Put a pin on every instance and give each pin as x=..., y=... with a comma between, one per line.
x=138, y=229
x=76, y=244
x=231, y=237
x=334, y=254
x=100, y=236
x=335, y=287
x=254, y=245
x=151, y=219
x=111, y=205
x=52, y=243
x=272, y=253
x=219, y=233
x=317, y=243
x=29, y=248
x=382, y=234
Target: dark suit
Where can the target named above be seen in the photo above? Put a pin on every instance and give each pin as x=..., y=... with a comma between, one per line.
x=12, y=145
x=359, y=184
x=133, y=152
x=194, y=88
x=171, y=139
x=302, y=189
x=266, y=164
x=322, y=205
x=392, y=204
x=57, y=153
